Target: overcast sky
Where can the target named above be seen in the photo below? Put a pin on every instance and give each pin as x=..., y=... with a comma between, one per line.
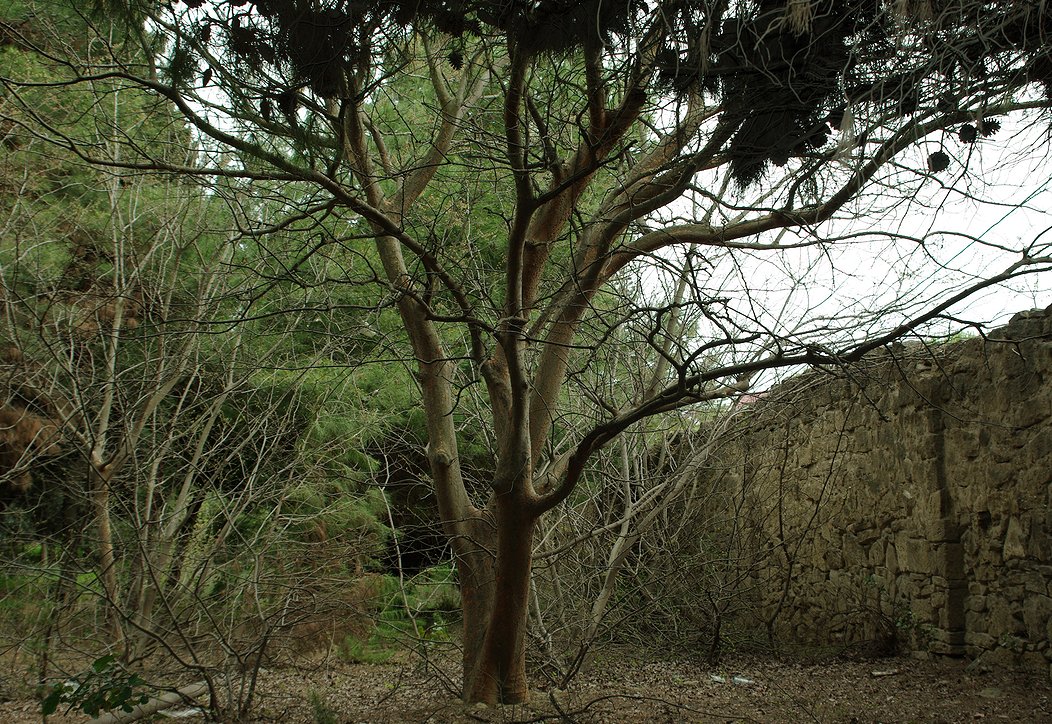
x=911, y=244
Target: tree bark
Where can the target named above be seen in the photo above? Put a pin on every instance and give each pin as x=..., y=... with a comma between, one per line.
x=160, y=703
x=495, y=603
x=100, y=496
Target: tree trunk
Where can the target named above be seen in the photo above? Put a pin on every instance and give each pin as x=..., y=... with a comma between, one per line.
x=100, y=495
x=495, y=596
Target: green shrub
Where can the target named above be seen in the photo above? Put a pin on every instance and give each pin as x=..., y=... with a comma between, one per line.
x=320, y=709
x=419, y=616
x=105, y=687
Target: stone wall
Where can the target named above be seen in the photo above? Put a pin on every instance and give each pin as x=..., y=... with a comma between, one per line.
x=908, y=502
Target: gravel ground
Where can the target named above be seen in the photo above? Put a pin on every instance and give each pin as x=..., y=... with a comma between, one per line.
x=620, y=688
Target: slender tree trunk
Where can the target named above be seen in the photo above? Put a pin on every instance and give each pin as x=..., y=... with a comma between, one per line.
x=496, y=602
x=100, y=495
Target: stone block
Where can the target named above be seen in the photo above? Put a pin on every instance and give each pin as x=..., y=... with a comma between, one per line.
x=864, y=536
x=1039, y=545
x=833, y=559
x=917, y=556
x=852, y=552
x=840, y=580
x=923, y=610
x=965, y=556
x=1003, y=456
x=1039, y=446
x=909, y=502
x=931, y=506
x=1015, y=540
x=980, y=520
x=952, y=617
x=948, y=560
x=961, y=444
x=996, y=659
x=975, y=624
x=1034, y=583
x=980, y=641
x=1001, y=618
x=1024, y=416
x=805, y=456
x=981, y=572
x=947, y=643
x=942, y=530
x=891, y=559
x=1037, y=610
x=990, y=560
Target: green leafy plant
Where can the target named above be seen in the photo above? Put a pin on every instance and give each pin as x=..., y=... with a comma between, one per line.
x=419, y=615
x=105, y=687
x=1013, y=643
x=320, y=709
x=373, y=649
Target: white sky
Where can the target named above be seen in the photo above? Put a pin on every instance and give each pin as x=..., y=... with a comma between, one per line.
x=973, y=218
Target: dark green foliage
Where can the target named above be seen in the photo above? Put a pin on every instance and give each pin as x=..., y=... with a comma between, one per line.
x=416, y=611
x=107, y=686
x=778, y=85
x=784, y=72
x=835, y=119
x=318, y=44
x=781, y=81
x=274, y=485
x=315, y=42
x=320, y=709
x=182, y=67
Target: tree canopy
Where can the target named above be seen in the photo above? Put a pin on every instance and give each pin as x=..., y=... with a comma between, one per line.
x=784, y=74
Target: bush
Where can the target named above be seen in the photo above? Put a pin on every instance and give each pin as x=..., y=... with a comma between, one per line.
x=419, y=615
x=105, y=687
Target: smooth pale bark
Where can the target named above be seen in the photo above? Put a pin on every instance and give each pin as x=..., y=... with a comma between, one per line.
x=495, y=603
x=100, y=499
x=160, y=703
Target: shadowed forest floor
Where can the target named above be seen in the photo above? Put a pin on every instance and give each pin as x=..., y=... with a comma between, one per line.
x=620, y=688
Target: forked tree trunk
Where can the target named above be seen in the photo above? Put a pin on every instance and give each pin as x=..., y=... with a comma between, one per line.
x=495, y=594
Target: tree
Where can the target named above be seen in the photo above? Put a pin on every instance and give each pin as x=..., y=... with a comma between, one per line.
x=511, y=161
x=171, y=465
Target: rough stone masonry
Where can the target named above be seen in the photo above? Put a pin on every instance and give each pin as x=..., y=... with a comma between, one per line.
x=909, y=501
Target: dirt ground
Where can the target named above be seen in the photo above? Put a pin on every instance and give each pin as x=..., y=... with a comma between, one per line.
x=619, y=688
